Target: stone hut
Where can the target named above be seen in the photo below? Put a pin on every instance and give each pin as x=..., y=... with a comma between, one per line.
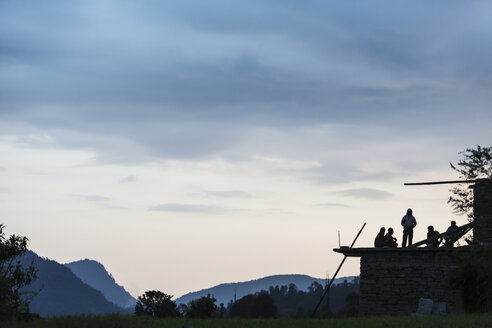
x=392, y=280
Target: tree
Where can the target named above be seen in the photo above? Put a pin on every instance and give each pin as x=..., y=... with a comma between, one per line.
x=475, y=164
x=255, y=305
x=156, y=304
x=14, y=299
x=204, y=307
x=351, y=307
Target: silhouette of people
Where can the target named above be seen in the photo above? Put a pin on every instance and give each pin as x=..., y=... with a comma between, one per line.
x=453, y=227
x=380, y=238
x=408, y=222
x=389, y=240
x=452, y=230
x=432, y=233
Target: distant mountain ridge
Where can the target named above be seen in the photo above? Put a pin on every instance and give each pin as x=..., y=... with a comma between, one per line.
x=95, y=275
x=225, y=292
x=85, y=287
x=61, y=292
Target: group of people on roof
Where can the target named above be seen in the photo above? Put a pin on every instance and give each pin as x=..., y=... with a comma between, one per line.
x=408, y=223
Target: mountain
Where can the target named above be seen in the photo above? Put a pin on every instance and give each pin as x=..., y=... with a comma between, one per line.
x=95, y=275
x=225, y=292
x=61, y=292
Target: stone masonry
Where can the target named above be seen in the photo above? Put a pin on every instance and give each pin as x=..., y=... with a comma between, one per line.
x=482, y=211
x=393, y=281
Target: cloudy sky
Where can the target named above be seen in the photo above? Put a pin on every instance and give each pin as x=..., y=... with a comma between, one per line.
x=189, y=143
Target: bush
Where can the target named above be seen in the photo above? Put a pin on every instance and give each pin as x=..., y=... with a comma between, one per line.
x=474, y=280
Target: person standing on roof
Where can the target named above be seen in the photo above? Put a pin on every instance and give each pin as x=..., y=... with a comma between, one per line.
x=408, y=222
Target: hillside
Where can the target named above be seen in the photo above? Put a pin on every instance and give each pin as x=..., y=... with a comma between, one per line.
x=95, y=275
x=61, y=292
x=225, y=292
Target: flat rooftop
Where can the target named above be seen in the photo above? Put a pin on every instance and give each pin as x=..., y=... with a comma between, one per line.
x=358, y=252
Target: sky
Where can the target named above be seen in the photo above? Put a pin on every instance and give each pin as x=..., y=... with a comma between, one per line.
x=185, y=144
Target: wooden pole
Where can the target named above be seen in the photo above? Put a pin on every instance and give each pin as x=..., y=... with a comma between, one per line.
x=437, y=182
x=327, y=289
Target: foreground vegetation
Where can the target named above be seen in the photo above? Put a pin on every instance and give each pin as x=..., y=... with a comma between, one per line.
x=118, y=321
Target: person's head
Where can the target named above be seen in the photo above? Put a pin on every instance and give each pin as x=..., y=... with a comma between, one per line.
x=409, y=211
x=390, y=231
x=453, y=223
x=430, y=228
x=382, y=230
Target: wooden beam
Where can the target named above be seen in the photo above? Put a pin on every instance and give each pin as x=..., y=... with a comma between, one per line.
x=437, y=182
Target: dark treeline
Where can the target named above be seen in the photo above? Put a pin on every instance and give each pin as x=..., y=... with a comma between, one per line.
x=277, y=301
x=342, y=300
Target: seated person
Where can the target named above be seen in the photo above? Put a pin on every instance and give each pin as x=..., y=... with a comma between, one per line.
x=432, y=233
x=379, y=241
x=389, y=240
x=452, y=230
x=453, y=227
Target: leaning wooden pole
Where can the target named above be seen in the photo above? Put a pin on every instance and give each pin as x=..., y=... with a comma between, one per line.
x=327, y=289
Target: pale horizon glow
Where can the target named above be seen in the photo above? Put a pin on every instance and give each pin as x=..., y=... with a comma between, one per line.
x=184, y=145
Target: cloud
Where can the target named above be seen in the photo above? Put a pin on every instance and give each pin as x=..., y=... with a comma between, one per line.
x=339, y=173
x=229, y=194
x=189, y=62
x=100, y=201
x=128, y=179
x=198, y=76
x=366, y=193
x=330, y=205
x=91, y=198
x=189, y=208
x=5, y=190
x=112, y=207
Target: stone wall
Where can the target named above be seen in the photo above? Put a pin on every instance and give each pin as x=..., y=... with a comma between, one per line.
x=393, y=281
x=482, y=211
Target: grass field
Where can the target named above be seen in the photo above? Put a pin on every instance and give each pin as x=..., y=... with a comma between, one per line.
x=117, y=321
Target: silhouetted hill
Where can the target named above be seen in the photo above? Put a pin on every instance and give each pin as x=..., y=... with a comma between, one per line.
x=62, y=292
x=95, y=275
x=225, y=292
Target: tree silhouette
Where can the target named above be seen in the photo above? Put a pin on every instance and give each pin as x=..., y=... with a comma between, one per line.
x=293, y=302
x=254, y=305
x=204, y=307
x=475, y=164
x=156, y=304
x=14, y=299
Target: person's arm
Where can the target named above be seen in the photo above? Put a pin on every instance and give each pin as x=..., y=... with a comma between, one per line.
x=414, y=222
